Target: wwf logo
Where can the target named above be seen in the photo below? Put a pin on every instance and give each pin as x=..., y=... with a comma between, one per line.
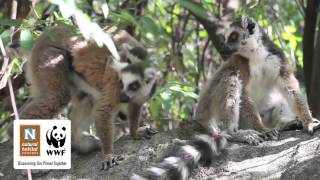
x=56, y=136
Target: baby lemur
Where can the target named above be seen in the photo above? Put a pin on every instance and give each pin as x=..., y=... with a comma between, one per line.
x=81, y=113
x=63, y=66
x=232, y=99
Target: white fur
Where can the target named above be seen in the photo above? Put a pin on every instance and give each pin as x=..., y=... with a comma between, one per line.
x=262, y=87
x=157, y=171
x=192, y=151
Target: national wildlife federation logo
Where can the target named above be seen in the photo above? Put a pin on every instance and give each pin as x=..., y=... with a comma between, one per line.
x=29, y=140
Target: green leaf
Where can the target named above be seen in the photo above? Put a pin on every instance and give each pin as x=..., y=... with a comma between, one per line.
x=5, y=36
x=125, y=16
x=203, y=34
x=102, y=38
x=9, y=22
x=290, y=29
x=194, y=8
x=191, y=95
x=149, y=25
x=176, y=10
x=154, y=107
x=67, y=7
x=84, y=24
x=161, y=7
x=176, y=88
x=26, y=39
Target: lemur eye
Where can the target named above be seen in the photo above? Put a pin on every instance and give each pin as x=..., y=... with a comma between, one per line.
x=134, y=86
x=233, y=37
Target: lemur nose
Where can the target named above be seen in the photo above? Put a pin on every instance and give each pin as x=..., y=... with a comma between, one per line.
x=243, y=42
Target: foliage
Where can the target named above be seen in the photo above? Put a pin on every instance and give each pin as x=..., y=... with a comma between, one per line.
x=178, y=44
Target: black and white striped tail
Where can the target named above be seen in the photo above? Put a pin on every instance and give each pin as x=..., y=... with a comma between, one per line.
x=180, y=164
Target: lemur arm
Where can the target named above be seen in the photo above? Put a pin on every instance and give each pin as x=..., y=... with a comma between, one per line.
x=289, y=87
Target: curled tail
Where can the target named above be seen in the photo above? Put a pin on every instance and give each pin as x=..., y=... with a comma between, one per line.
x=201, y=149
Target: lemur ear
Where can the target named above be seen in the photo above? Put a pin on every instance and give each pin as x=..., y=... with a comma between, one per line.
x=134, y=54
x=152, y=75
x=248, y=23
x=250, y=27
x=149, y=74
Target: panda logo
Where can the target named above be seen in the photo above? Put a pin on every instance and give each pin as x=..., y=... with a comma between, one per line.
x=56, y=136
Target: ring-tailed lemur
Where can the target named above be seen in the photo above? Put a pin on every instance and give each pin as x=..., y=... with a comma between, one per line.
x=273, y=87
x=62, y=67
x=234, y=96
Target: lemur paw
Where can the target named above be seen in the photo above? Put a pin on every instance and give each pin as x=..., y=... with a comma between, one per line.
x=111, y=161
x=269, y=133
x=151, y=131
x=145, y=134
x=253, y=137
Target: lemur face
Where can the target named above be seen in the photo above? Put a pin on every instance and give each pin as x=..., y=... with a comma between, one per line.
x=241, y=37
x=132, y=81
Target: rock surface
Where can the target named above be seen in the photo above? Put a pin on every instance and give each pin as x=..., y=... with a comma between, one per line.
x=295, y=156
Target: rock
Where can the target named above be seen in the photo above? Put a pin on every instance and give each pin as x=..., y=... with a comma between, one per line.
x=294, y=156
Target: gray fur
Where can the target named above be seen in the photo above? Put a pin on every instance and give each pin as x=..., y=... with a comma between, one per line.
x=270, y=73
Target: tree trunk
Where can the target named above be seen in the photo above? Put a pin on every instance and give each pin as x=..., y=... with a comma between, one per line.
x=308, y=42
x=315, y=83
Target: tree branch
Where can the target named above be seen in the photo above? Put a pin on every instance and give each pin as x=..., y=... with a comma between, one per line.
x=212, y=23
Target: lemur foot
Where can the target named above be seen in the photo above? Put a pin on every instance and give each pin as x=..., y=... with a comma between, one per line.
x=296, y=124
x=292, y=125
x=150, y=131
x=250, y=136
x=269, y=133
x=145, y=134
x=111, y=161
x=312, y=126
x=253, y=139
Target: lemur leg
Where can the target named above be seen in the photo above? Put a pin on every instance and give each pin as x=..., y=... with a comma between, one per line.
x=289, y=87
x=49, y=85
x=134, y=111
x=105, y=111
x=250, y=118
x=135, y=107
x=249, y=136
x=81, y=118
x=230, y=115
